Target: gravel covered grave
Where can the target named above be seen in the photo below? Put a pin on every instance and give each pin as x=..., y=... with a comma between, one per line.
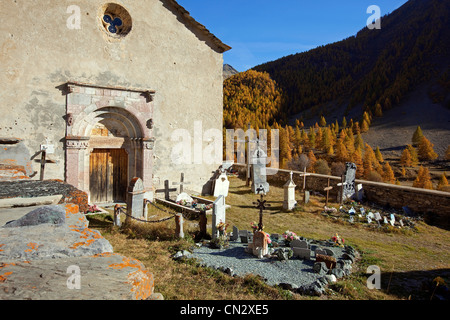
x=299, y=275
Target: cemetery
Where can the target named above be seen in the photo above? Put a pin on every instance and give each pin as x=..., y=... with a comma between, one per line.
x=288, y=241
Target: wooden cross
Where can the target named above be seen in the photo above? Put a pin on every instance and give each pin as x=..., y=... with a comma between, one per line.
x=181, y=183
x=166, y=190
x=304, y=175
x=261, y=205
x=327, y=189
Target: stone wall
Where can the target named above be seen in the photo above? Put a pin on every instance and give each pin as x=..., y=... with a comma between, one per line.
x=432, y=205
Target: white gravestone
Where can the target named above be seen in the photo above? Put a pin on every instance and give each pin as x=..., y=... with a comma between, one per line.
x=136, y=194
x=221, y=186
x=289, y=194
x=218, y=215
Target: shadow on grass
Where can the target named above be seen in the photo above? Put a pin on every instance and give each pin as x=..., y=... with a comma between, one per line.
x=417, y=285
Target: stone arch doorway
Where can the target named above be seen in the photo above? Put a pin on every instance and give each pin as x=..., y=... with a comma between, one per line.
x=109, y=140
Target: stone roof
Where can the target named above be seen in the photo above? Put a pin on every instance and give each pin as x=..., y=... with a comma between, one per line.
x=213, y=41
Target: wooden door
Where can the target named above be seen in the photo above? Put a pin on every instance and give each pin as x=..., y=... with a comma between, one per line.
x=108, y=175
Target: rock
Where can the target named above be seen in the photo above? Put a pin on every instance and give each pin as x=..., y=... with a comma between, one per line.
x=320, y=268
x=347, y=256
x=54, y=215
x=337, y=272
x=330, y=278
x=182, y=254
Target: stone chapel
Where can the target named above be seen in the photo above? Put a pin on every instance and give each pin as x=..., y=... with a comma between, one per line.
x=105, y=88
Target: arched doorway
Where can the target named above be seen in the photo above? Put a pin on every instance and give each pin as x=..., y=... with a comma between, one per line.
x=108, y=141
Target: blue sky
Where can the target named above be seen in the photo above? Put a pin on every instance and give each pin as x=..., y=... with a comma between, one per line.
x=264, y=30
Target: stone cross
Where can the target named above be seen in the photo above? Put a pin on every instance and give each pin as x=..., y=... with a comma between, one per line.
x=135, y=199
x=181, y=183
x=218, y=215
x=259, y=183
x=305, y=193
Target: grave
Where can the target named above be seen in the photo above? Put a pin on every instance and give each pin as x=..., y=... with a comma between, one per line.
x=289, y=194
x=259, y=172
x=218, y=215
x=260, y=245
x=221, y=185
x=135, y=199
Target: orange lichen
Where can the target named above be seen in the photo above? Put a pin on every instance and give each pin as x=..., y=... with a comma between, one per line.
x=33, y=246
x=1, y=245
x=141, y=280
x=85, y=233
x=4, y=276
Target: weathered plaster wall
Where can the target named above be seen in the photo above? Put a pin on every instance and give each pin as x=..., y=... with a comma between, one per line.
x=39, y=53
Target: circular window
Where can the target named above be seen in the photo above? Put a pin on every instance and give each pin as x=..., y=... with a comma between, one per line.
x=116, y=20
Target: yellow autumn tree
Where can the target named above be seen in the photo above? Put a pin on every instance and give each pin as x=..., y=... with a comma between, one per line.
x=405, y=159
x=423, y=179
x=388, y=173
x=425, y=150
x=443, y=182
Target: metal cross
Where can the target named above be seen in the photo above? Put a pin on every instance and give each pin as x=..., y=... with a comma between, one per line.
x=261, y=204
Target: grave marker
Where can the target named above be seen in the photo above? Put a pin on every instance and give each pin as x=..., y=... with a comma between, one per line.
x=221, y=185
x=179, y=233
x=166, y=190
x=327, y=189
x=392, y=221
x=289, y=194
x=218, y=215
x=259, y=176
x=235, y=234
x=135, y=199
x=181, y=183
x=260, y=244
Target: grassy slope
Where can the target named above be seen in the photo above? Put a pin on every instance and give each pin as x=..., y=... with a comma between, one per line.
x=406, y=259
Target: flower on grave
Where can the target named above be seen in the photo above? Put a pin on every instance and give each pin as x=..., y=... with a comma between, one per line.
x=330, y=210
x=289, y=236
x=222, y=227
x=93, y=209
x=254, y=226
x=338, y=241
x=269, y=241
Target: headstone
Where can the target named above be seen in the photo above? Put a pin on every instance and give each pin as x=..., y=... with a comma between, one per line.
x=385, y=220
x=259, y=172
x=329, y=252
x=369, y=218
x=117, y=210
x=351, y=211
x=299, y=244
x=351, y=219
x=218, y=215
x=349, y=181
x=246, y=236
x=289, y=194
x=306, y=197
x=392, y=221
x=377, y=216
x=359, y=192
x=302, y=253
x=401, y=223
x=135, y=200
x=260, y=244
x=179, y=233
x=221, y=186
x=320, y=251
x=235, y=234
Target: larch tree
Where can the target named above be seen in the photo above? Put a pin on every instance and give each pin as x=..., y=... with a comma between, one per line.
x=426, y=151
x=388, y=173
x=423, y=179
x=443, y=182
x=406, y=159
x=417, y=136
x=378, y=155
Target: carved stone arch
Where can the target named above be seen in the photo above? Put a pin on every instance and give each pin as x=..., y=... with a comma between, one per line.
x=108, y=118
